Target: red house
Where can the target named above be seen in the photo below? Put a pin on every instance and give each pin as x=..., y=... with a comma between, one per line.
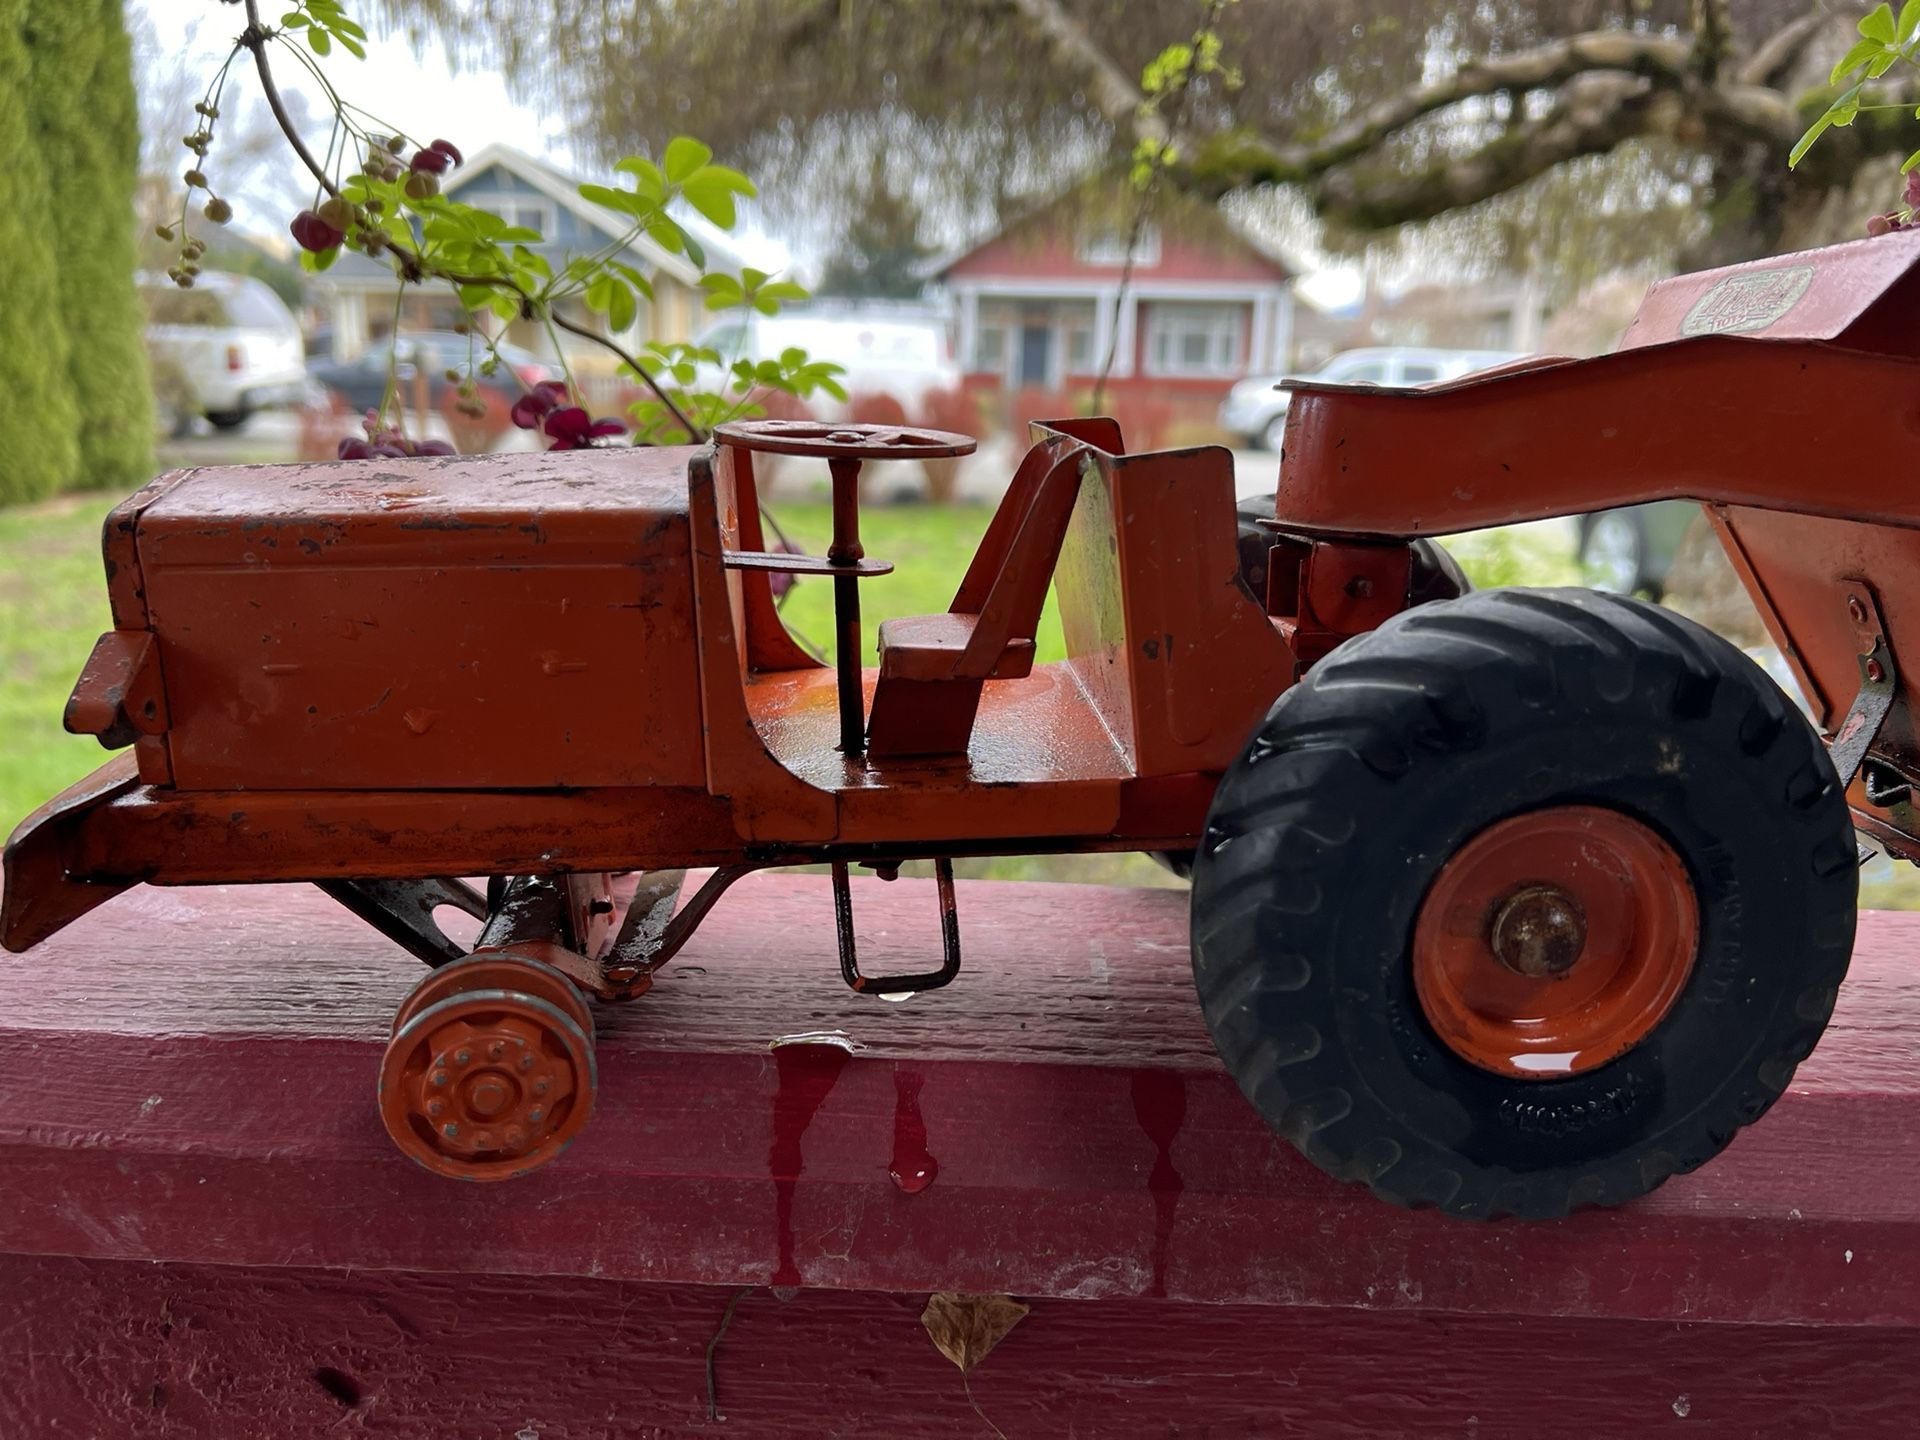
x=1035, y=305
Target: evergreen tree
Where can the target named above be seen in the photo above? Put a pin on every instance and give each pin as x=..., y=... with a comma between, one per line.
x=39, y=441
x=87, y=126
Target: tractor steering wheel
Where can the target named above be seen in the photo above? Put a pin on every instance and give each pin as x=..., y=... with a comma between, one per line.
x=843, y=442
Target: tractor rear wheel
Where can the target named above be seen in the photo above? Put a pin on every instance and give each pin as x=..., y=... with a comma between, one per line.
x=1522, y=902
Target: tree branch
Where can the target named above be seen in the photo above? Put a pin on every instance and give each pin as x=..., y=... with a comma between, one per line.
x=1712, y=38
x=1113, y=91
x=1612, y=86
x=1767, y=64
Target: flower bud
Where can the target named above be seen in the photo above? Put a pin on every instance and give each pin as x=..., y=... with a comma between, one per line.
x=196, y=179
x=218, y=211
x=337, y=212
x=422, y=186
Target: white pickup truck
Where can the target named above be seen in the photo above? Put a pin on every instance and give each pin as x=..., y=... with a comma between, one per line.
x=229, y=346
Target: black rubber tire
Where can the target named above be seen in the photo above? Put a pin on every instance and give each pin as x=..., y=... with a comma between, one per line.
x=1398, y=748
x=228, y=419
x=1436, y=576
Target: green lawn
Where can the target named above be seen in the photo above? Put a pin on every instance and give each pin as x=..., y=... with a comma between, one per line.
x=53, y=603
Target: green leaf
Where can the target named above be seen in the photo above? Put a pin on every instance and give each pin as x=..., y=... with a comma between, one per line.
x=1860, y=54
x=711, y=189
x=318, y=40
x=647, y=179
x=625, y=201
x=511, y=233
x=621, y=310
x=599, y=292
x=667, y=235
x=632, y=276
x=1909, y=22
x=1884, y=62
x=1805, y=142
x=1910, y=164
x=294, y=20
x=1847, y=106
x=753, y=279
x=793, y=357
x=686, y=155
x=352, y=46
x=1878, y=23
x=783, y=290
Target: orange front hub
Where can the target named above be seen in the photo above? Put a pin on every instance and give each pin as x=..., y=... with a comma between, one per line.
x=490, y=1072
x=1555, y=941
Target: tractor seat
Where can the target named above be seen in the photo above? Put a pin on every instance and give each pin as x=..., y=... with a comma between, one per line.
x=931, y=647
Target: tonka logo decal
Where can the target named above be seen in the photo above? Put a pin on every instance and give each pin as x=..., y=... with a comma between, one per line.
x=1750, y=301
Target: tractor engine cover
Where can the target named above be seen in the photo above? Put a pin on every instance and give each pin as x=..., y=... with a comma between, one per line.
x=432, y=623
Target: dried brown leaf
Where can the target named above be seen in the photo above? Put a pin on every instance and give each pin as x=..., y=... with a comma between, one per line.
x=964, y=1328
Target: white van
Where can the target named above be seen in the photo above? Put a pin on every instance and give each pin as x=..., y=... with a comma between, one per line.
x=1255, y=410
x=896, y=350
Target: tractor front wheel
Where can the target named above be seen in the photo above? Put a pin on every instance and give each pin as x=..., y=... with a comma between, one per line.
x=1525, y=901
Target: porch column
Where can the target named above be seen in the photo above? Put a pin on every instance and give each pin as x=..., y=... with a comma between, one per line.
x=1280, y=340
x=1129, y=327
x=1258, y=347
x=1103, y=324
x=969, y=328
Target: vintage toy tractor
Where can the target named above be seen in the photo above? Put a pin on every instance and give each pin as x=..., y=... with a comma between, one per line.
x=1503, y=902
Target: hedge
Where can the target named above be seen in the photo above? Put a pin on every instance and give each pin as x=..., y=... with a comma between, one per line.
x=40, y=435
x=87, y=123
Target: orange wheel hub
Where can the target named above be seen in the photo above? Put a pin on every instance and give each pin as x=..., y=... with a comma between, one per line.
x=1555, y=941
x=490, y=1072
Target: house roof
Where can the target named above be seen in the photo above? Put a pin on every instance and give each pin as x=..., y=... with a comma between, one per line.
x=563, y=189
x=1104, y=188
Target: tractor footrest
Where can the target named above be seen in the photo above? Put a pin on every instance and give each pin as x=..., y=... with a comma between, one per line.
x=786, y=563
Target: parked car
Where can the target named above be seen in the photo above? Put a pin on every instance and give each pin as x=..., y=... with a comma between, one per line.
x=895, y=350
x=362, y=381
x=1629, y=551
x=229, y=345
x=1255, y=410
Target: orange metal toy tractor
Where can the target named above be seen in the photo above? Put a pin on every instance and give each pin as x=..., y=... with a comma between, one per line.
x=1503, y=902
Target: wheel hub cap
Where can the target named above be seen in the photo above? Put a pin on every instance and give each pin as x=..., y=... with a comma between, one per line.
x=1554, y=942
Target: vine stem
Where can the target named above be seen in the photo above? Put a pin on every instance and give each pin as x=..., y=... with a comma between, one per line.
x=254, y=38
x=1143, y=201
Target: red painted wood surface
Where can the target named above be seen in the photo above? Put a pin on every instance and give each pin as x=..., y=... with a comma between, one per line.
x=202, y=1351
x=186, y=1077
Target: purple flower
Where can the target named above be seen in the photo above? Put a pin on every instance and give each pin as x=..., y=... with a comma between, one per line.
x=571, y=428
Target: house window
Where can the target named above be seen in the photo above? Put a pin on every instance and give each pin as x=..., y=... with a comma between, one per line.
x=990, y=349
x=1106, y=244
x=525, y=211
x=1194, y=339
